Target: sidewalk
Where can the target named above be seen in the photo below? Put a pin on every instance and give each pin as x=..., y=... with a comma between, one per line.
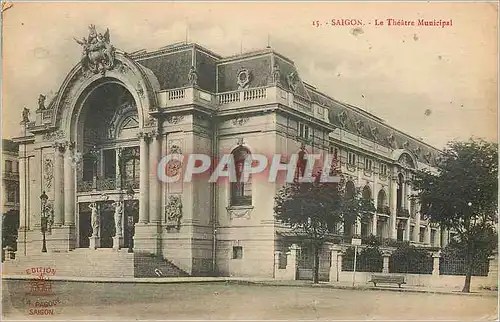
x=261, y=282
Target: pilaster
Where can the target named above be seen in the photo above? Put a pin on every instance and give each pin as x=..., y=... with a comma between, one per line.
x=69, y=186
x=144, y=178
x=154, y=182
x=58, y=184
x=393, y=202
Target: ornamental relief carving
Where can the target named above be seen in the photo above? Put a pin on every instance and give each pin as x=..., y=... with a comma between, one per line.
x=174, y=119
x=48, y=171
x=173, y=212
x=244, y=77
x=239, y=121
x=239, y=213
x=52, y=136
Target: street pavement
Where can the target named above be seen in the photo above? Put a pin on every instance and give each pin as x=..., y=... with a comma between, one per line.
x=235, y=300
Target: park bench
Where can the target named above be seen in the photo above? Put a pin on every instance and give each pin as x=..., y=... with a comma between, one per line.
x=388, y=279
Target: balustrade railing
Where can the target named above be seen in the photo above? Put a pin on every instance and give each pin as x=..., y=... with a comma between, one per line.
x=226, y=98
x=85, y=186
x=106, y=184
x=254, y=94
x=134, y=183
x=176, y=94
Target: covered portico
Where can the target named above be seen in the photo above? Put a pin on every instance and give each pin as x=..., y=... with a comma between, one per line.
x=90, y=151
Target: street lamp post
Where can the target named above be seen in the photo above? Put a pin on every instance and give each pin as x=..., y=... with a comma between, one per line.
x=130, y=217
x=43, y=219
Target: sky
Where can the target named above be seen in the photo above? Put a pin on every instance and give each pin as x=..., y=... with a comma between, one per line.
x=434, y=83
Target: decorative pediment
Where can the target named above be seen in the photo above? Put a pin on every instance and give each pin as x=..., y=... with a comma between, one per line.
x=406, y=161
x=130, y=123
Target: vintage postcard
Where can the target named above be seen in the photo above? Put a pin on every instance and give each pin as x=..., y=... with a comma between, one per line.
x=249, y=160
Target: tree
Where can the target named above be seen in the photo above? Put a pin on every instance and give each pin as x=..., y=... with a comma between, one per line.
x=463, y=197
x=313, y=210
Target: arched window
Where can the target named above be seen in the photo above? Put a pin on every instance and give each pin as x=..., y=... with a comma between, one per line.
x=350, y=190
x=241, y=192
x=301, y=164
x=367, y=193
x=381, y=201
x=400, y=194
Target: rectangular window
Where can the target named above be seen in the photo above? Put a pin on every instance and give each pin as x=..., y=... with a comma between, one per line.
x=433, y=237
x=11, y=193
x=237, y=252
x=422, y=235
x=303, y=131
x=412, y=231
x=383, y=169
x=8, y=166
x=351, y=158
x=368, y=164
x=109, y=164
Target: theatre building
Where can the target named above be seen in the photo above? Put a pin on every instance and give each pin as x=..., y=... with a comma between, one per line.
x=88, y=160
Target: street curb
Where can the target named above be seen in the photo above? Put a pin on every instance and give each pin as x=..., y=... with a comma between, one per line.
x=341, y=287
x=240, y=281
x=134, y=280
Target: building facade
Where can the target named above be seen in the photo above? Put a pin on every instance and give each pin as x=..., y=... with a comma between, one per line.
x=93, y=151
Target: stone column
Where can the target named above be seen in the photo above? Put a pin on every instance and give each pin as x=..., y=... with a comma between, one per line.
x=416, y=232
x=36, y=189
x=407, y=230
x=438, y=237
x=118, y=177
x=374, y=224
x=144, y=179
x=393, y=198
x=435, y=263
x=375, y=202
x=58, y=185
x=23, y=193
x=386, y=254
x=154, y=182
x=446, y=236
x=427, y=238
x=69, y=187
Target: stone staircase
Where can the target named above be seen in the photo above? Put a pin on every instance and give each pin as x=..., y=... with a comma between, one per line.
x=149, y=265
x=102, y=262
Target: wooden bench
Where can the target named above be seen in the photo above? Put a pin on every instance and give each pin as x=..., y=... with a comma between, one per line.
x=388, y=279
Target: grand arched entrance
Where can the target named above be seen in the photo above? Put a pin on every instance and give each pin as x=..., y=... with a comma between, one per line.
x=108, y=172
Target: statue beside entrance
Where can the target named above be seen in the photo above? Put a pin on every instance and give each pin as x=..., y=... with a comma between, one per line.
x=118, y=238
x=94, y=220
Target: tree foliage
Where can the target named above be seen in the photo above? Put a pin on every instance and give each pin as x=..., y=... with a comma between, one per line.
x=463, y=196
x=314, y=210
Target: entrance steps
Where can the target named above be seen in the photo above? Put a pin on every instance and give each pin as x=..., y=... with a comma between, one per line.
x=149, y=265
x=102, y=262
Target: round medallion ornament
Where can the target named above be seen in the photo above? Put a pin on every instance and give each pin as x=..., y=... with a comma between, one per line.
x=244, y=78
